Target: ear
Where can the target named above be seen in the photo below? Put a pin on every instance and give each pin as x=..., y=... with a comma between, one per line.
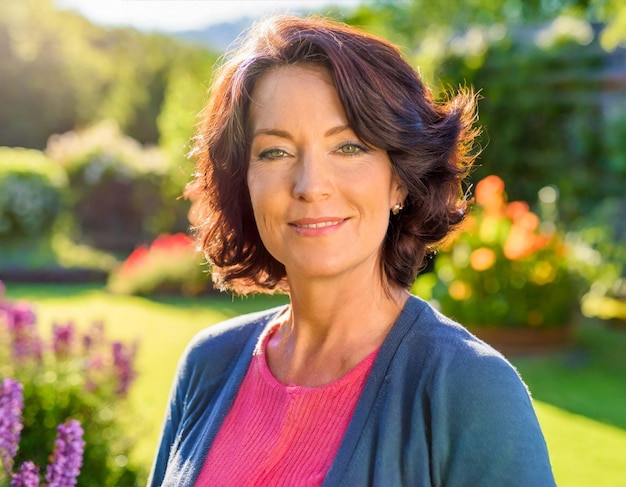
x=399, y=192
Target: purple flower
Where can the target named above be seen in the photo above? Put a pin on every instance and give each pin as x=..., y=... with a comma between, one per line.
x=67, y=458
x=28, y=476
x=62, y=339
x=123, y=358
x=20, y=321
x=11, y=405
x=23, y=314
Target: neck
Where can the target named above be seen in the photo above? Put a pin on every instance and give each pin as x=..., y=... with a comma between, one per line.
x=331, y=327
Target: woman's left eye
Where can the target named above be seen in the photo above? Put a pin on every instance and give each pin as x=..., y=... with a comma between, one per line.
x=351, y=148
x=272, y=154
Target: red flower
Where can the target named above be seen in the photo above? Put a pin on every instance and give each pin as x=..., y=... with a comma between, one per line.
x=168, y=242
x=134, y=259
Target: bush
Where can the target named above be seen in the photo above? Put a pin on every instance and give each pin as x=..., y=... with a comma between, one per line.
x=600, y=247
x=115, y=186
x=73, y=375
x=31, y=194
x=170, y=265
x=505, y=267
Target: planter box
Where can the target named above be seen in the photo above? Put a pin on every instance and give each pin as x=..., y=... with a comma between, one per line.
x=524, y=341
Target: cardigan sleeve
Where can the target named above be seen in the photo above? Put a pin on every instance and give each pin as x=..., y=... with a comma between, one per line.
x=484, y=425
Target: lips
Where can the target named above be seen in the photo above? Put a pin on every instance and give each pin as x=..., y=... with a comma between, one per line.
x=317, y=226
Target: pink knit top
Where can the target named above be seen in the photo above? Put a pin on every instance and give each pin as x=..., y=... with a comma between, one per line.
x=279, y=435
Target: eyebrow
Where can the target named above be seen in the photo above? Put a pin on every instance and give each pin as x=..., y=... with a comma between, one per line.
x=286, y=135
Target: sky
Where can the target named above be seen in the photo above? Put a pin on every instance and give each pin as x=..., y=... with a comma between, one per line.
x=181, y=15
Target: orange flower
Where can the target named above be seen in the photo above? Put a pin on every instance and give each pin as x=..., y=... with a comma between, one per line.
x=459, y=290
x=522, y=241
x=518, y=243
x=516, y=210
x=482, y=259
x=529, y=221
x=490, y=194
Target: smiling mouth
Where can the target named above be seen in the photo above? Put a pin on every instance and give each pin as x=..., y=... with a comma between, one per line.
x=316, y=225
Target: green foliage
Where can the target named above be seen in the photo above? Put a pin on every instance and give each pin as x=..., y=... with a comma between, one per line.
x=185, y=95
x=31, y=194
x=83, y=376
x=600, y=245
x=412, y=22
x=34, y=201
x=613, y=13
x=170, y=265
x=543, y=114
x=115, y=186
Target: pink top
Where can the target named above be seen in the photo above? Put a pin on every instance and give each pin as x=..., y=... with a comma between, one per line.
x=278, y=435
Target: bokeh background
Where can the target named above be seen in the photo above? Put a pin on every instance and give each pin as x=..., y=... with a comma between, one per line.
x=98, y=104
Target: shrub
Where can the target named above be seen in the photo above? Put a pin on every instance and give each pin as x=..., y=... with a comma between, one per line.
x=505, y=267
x=72, y=375
x=31, y=193
x=169, y=265
x=115, y=186
x=600, y=247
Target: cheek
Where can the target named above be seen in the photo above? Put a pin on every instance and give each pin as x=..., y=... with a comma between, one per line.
x=255, y=189
x=264, y=203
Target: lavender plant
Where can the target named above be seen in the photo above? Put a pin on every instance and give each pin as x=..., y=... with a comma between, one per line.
x=67, y=457
x=73, y=374
x=66, y=460
x=28, y=476
x=11, y=405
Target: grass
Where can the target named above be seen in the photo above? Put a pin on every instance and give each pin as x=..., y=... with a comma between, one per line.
x=580, y=394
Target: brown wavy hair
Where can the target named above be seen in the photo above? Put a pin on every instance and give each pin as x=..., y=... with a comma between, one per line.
x=430, y=146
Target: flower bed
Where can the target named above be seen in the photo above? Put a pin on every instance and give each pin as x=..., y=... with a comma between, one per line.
x=506, y=267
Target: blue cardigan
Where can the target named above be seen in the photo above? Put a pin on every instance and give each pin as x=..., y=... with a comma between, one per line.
x=440, y=408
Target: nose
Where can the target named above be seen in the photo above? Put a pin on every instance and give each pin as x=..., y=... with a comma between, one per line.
x=312, y=178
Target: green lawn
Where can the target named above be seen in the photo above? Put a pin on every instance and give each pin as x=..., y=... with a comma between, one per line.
x=580, y=394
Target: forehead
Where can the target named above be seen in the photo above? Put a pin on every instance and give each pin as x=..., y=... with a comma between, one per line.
x=288, y=80
x=293, y=91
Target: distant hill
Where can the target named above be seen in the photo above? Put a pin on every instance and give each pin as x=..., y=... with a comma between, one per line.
x=218, y=36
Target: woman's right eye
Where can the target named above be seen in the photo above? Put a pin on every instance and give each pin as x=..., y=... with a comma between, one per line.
x=271, y=154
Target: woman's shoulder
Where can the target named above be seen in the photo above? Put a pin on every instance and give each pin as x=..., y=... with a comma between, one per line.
x=465, y=379
x=472, y=400
x=427, y=328
x=450, y=352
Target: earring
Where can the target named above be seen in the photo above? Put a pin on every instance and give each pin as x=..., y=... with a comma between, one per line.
x=397, y=208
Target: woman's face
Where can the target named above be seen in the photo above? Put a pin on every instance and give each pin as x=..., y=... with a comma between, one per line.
x=321, y=197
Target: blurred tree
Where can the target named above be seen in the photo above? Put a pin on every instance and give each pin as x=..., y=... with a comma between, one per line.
x=58, y=71
x=409, y=22
x=33, y=74
x=187, y=85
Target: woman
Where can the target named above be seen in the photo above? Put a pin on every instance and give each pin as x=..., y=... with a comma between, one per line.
x=326, y=171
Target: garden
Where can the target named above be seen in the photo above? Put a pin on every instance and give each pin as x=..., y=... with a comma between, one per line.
x=101, y=287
